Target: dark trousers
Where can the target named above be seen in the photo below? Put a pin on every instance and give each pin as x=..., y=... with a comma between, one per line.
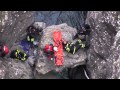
x=76, y=45
x=19, y=56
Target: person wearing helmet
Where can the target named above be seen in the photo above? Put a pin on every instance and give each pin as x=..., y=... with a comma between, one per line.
x=33, y=35
x=17, y=54
x=83, y=32
x=49, y=51
x=73, y=48
x=4, y=50
x=35, y=31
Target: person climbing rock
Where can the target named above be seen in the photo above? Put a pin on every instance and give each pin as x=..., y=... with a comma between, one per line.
x=17, y=54
x=83, y=32
x=73, y=48
x=4, y=50
x=49, y=51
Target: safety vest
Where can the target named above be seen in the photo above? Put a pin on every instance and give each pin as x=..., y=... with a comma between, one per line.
x=30, y=39
x=18, y=57
x=81, y=44
x=24, y=58
x=68, y=46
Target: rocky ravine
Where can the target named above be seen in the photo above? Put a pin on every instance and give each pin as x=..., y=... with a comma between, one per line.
x=12, y=29
x=103, y=55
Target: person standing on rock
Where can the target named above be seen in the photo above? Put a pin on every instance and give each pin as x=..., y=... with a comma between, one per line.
x=4, y=50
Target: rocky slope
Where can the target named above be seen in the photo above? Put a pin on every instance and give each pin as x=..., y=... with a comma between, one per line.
x=103, y=55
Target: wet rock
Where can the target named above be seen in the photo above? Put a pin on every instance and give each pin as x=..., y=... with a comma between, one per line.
x=103, y=55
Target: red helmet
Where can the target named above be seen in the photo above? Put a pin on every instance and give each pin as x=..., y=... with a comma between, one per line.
x=48, y=48
x=6, y=50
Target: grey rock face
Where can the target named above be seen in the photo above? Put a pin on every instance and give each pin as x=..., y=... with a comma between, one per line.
x=12, y=27
x=72, y=18
x=13, y=69
x=103, y=55
x=19, y=70
x=44, y=65
x=3, y=70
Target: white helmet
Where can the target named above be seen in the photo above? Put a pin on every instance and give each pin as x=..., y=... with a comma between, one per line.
x=55, y=49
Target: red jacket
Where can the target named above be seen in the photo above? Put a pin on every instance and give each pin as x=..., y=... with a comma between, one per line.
x=49, y=49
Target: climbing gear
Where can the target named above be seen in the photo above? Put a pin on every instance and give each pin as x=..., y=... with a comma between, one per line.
x=57, y=37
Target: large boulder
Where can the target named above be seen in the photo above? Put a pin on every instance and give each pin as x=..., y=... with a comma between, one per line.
x=43, y=64
x=104, y=53
x=13, y=69
x=13, y=25
x=18, y=70
x=12, y=28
